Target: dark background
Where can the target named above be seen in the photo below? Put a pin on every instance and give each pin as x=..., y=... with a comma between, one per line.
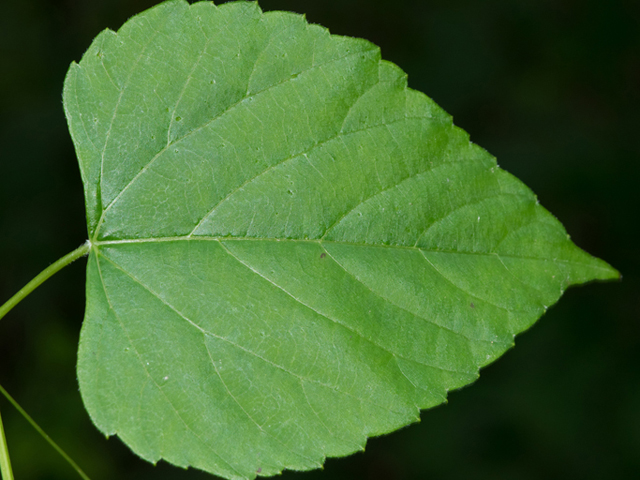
x=551, y=87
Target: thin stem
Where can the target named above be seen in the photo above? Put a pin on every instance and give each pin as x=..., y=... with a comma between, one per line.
x=28, y=418
x=44, y=275
x=5, y=463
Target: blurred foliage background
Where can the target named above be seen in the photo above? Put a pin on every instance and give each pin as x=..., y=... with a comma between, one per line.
x=551, y=87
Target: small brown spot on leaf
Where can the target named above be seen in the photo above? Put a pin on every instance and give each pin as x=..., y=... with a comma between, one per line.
x=472, y=305
x=322, y=255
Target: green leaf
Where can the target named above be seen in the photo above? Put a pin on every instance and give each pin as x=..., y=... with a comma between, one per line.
x=291, y=250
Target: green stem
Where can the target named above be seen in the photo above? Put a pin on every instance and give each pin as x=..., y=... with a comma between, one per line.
x=5, y=463
x=44, y=275
x=33, y=423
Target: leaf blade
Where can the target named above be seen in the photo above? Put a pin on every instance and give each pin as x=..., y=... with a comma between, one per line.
x=288, y=243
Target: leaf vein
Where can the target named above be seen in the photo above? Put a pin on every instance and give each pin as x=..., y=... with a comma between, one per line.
x=462, y=289
x=116, y=108
x=338, y=136
x=467, y=338
x=197, y=129
x=178, y=415
x=244, y=349
x=337, y=322
x=385, y=190
x=461, y=207
x=244, y=410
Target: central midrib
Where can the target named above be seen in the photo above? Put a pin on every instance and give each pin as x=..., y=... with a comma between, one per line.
x=204, y=238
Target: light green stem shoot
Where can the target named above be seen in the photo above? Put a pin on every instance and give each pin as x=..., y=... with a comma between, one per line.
x=42, y=276
x=5, y=463
x=56, y=447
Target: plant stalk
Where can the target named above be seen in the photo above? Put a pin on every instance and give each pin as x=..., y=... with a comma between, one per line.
x=43, y=276
x=5, y=462
x=42, y=433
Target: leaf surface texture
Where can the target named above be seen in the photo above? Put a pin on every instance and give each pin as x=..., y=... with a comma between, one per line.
x=291, y=250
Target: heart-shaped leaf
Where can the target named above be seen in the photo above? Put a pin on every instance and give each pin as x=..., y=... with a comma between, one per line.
x=291, y=250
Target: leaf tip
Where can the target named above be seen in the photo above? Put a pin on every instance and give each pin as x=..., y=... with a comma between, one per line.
x=605, y=272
